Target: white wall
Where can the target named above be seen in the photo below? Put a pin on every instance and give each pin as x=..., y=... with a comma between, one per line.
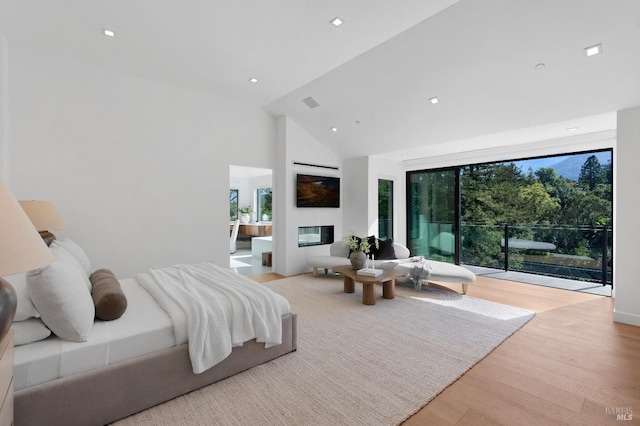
x=626, y=225
x=139, y=169
x=357, y=213
x=361, y=195
x=294, y=144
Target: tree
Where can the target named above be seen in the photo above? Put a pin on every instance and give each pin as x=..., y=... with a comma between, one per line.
x=592, y=173
x=586, y=208
x=536, y=205
x=490, y=193
x=558, y=187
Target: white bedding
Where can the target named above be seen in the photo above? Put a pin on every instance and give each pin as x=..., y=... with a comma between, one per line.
x=143, y=328
x=222, y=309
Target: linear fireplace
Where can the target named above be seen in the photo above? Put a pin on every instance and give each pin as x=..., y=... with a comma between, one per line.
x=315, y=235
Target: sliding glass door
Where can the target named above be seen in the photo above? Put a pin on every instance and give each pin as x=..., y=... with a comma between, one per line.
x=432, y=213
x=544, y=215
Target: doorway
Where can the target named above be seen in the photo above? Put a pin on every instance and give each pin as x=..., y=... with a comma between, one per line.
x=250, y=190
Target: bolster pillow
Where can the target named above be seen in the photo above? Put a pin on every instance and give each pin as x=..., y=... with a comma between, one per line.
x=108, y=298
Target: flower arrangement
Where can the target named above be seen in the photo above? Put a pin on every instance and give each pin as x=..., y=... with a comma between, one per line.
x=245, y=210
x=356, y=243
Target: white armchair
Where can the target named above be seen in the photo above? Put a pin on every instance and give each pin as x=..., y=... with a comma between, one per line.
x=234, y=237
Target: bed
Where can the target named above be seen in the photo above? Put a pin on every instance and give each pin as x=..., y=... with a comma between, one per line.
x=145, y=356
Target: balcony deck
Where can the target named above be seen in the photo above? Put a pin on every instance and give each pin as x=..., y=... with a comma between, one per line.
x=562, y=283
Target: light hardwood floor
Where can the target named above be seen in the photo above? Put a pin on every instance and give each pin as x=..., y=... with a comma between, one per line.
x=570, y=365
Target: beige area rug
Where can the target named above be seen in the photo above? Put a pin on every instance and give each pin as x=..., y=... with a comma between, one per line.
x=355, y=364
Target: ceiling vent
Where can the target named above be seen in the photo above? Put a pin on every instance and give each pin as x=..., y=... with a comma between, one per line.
x=310, y=102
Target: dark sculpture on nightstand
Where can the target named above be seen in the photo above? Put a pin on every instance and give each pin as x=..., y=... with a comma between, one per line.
x=8, y=305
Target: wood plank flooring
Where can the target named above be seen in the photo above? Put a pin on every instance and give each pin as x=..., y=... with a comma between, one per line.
x=570, y=365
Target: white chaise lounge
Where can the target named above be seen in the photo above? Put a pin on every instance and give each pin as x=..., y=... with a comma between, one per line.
x=439, y=271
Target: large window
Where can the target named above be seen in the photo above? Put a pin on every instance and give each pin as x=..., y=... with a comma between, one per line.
x=264, y=204
x=385, y=209
x=233, y=204
x=547, y=215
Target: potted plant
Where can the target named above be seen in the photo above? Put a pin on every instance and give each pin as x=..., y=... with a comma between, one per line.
x=359, y=249
x=245, y=214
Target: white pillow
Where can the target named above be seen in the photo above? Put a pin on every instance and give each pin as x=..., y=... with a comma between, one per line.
x=59, y=292
x=76, y=251
x=25, y=308
x=29, y=331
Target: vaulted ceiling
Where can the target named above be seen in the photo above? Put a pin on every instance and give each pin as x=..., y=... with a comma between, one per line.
x=504, y=71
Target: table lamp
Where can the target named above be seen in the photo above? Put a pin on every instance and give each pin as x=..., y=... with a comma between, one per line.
x=45, y=217
x=21, y=250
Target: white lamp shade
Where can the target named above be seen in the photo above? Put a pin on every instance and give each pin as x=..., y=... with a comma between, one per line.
x=44, y=215
x=21, y=247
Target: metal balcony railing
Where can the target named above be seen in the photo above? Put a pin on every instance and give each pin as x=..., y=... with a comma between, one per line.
x=573, y=252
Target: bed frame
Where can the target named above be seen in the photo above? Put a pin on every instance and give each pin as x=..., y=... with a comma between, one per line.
x=104, y=395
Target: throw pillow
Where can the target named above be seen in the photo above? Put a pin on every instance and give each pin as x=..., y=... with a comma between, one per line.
x=108, y=297
x=60, y=294
x=76, y=251
x=29, y=331
x=385, y=250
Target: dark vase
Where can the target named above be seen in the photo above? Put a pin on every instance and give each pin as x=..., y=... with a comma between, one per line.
x=8, y=304
x=358, y=259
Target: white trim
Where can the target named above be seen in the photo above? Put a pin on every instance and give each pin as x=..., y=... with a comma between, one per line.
x=626, y=318
x=586, y=142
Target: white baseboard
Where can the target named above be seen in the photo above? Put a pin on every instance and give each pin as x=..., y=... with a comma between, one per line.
x=626, y=318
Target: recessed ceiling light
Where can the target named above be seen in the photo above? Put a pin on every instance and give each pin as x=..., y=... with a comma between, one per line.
x=108, y=32
x=434, y=100
x=334, y=129
x=253, y=80
x=540, y=66
x=593, y=50
x=336, y=22
x=572, y=129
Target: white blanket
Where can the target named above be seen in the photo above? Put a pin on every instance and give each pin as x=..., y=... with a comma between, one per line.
x=222, y=308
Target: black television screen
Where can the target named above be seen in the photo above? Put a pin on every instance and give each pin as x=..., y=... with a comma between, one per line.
x=317, y=191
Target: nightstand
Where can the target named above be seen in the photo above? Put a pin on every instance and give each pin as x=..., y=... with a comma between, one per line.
x=6, y=379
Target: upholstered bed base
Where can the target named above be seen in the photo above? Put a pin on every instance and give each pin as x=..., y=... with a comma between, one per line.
x=106, y=394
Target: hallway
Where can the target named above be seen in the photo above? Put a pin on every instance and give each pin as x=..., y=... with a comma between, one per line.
x=243, y=263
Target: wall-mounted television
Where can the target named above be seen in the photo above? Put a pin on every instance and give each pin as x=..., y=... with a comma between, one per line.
x=317, y=191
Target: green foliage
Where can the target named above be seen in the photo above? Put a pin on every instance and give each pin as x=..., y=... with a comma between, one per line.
x=385, y=208
x=592, y=174
x=233, y=204
x=356, y=243
x=537, y=205
x=583, y=248
x=264, y=202
x=500, y=194
x=481, y=245
x=497, y=194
